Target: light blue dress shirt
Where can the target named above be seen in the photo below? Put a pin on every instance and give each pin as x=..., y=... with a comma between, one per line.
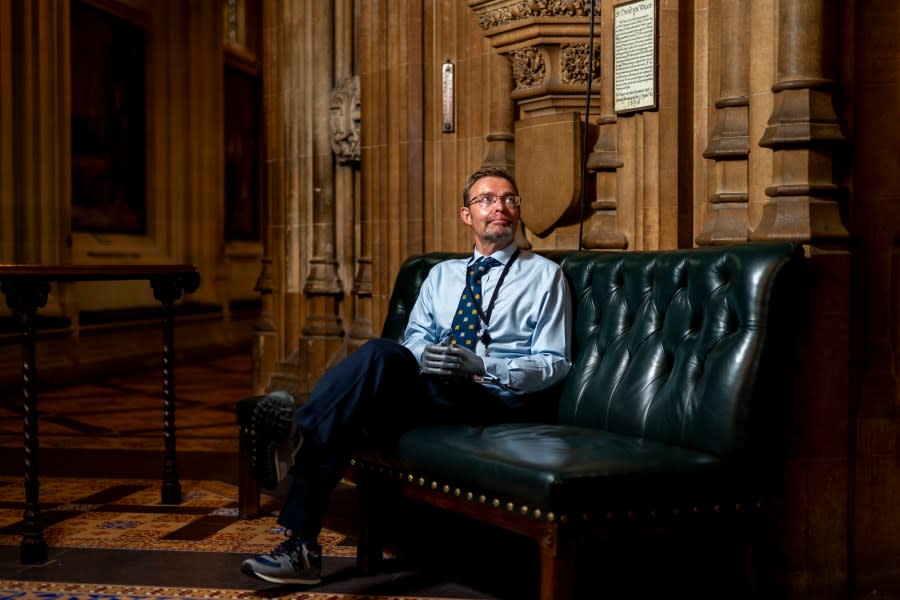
x=530, y=347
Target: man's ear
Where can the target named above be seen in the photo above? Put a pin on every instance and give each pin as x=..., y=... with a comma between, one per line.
x=466, y=215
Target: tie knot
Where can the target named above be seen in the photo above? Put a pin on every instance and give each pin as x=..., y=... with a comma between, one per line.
x=486, y=262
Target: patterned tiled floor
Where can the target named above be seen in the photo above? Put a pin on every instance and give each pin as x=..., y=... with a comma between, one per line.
x=109, y=536
x=126, y=514
x=29, y=590
x=124, y=411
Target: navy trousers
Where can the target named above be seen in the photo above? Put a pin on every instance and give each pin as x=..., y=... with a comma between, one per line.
x=378, y=391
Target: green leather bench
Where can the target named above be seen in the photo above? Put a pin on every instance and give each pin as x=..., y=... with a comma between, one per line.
x=663, y=422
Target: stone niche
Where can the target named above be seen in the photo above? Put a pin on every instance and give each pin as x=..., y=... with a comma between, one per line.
x=548, y=47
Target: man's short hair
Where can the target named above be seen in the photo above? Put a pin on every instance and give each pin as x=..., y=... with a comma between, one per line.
x=487, y=172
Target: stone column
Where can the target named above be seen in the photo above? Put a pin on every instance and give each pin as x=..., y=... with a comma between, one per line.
x=285, y=107
x=729, y=146
x=390, y=55
x=811, y=526
x=501, y=139
x=803, y=130
x=7, y=139
x=35, y=166
x=300, y=55
x=346, y=126
x=604, y=162
x=500, y=147
x=264, y=349
x=323, y=286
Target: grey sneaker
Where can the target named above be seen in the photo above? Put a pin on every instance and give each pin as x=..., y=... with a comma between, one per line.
x=270, y=433
x=290, y=562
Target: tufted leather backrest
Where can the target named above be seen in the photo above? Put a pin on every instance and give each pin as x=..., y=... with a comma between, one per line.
x=406, y=289
x=678, y=346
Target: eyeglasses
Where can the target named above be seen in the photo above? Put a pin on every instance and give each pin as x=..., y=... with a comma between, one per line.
x=487, y=200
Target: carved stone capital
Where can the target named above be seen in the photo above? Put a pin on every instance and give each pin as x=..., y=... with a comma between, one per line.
x=548, y=45
x=494, y=14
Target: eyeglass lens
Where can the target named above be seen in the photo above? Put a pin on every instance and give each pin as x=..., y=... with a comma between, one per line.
x=489, y=199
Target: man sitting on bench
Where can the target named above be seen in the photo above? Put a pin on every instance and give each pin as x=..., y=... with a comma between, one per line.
x=487, y=341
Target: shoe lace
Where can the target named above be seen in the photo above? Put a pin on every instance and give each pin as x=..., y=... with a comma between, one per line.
x=295, y=551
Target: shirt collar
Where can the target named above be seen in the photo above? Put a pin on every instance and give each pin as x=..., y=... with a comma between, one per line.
x=502, y=256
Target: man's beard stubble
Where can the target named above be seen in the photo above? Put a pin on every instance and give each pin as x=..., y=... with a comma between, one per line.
x=495, y=236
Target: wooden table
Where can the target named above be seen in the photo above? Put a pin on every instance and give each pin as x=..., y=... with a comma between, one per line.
x=26, y=288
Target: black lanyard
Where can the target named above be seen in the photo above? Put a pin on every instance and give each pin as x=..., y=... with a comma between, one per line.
x=485, y=316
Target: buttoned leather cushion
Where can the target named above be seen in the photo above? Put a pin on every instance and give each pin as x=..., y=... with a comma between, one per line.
x=558, y=468
x=674, y=368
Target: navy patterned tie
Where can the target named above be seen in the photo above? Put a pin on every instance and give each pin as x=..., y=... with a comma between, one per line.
x=466, y=320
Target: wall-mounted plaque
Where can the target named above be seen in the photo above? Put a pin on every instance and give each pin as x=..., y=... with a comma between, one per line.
x=636, y=60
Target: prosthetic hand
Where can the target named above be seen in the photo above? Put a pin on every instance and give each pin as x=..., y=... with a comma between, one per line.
x=470, y=364
x=452, y=361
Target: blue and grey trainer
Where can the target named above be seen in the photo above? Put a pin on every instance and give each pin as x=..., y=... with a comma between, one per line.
x=290, y=562
x=270, y=435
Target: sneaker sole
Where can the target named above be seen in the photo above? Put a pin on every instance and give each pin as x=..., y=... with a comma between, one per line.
x=247, y=569
x=296, y=580
x=271, y=424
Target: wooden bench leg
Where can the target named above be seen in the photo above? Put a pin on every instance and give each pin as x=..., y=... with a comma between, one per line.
x=248, y=487
x=557, y=567
x=370, y=546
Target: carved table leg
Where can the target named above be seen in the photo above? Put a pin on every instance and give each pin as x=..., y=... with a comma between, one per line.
x=171, y=488
x=24, y=300
x=33, y=548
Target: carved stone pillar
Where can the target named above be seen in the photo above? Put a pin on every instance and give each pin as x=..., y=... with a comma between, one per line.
x=501, y=140
x=547, y=46
x=345, y=132
x=7, y=140
x=805, y=136
x=301, y=197
x=271, y=331
x=602, y=226
x=500, y=147
x=35, y=221
x=803, y=130
x=727, y=218
x=323, y=330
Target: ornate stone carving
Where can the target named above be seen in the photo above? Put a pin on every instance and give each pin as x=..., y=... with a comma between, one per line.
x=528, y=67
x=574, y=61
x=528, y=9
x=344, y=121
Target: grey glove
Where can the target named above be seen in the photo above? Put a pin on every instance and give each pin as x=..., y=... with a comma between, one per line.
x=453, y=361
